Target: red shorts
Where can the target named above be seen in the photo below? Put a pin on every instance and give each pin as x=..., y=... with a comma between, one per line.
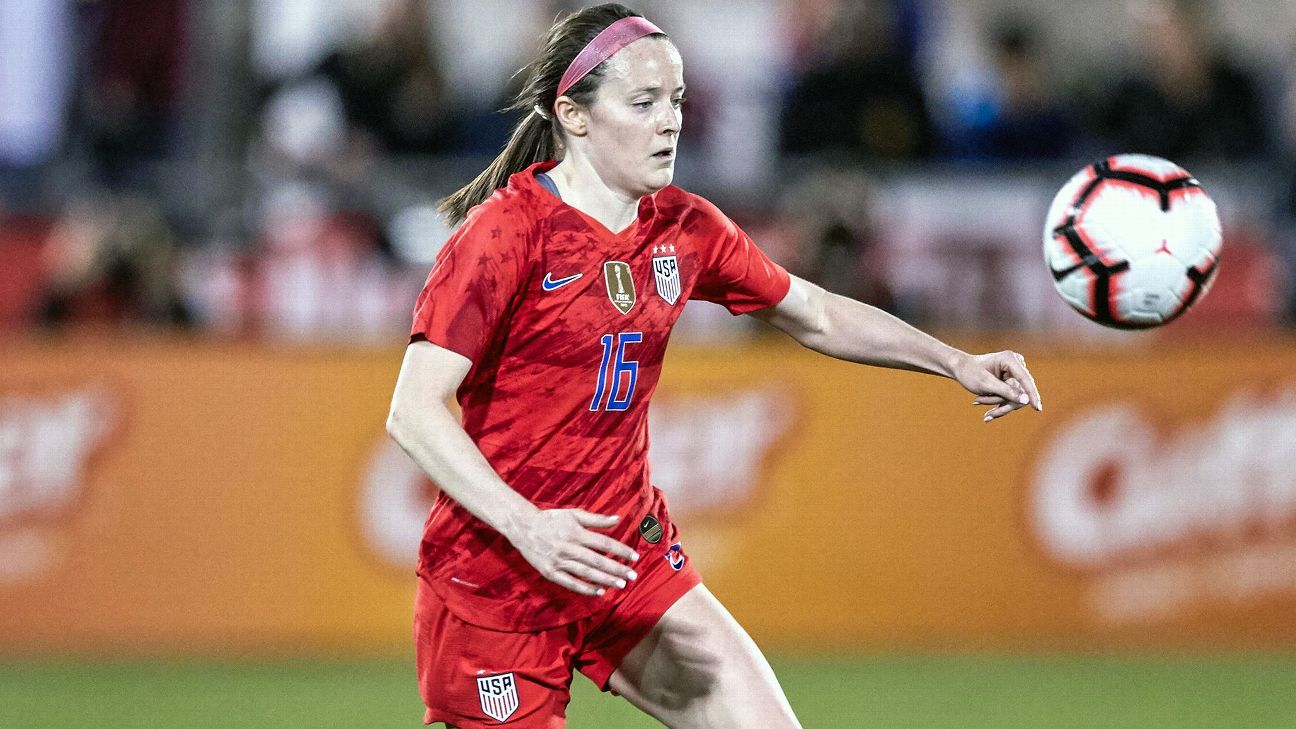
x=473, y=677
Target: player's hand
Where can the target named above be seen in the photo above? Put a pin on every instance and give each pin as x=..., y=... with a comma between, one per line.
x=1000, y=381
x=562, y=546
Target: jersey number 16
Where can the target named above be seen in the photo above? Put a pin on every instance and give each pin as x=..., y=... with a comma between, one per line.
x=614, y=385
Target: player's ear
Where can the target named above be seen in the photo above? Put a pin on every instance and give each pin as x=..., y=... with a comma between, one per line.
x=573, y=117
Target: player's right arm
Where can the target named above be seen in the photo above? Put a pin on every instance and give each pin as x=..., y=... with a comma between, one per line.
x=559, y=543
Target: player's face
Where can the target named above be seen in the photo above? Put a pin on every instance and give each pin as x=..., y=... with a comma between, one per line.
x=635, y=118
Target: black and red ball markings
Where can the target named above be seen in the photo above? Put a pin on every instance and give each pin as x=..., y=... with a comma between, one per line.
x=1105, y=275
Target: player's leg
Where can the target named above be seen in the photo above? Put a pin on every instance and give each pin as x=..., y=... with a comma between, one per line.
x=698, y=668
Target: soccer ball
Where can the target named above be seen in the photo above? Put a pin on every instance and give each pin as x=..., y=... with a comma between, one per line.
x=1132, y=241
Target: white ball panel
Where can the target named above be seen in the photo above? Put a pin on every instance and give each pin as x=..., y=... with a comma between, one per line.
x=1181, y=286
x=1193, y=228
x=1157, y=167
x=1063, y=201
x=1161, y=270
x=1077, y=290
x=1058, y=254
x=1140, y=304
x=1152, y=290
x=1123, y=221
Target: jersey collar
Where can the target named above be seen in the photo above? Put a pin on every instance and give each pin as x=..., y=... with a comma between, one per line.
x=526, y=181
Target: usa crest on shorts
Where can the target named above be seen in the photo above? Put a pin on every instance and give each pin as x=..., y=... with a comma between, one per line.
x=666, y=271
x=498, y=695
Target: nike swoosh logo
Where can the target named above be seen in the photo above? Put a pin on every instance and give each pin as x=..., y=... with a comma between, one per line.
x=551, y=284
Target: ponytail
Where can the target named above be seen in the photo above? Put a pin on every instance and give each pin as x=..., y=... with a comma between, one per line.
x=532, y=141
x=536, y=137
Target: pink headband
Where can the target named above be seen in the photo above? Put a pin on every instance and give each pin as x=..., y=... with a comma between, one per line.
x=613, y=38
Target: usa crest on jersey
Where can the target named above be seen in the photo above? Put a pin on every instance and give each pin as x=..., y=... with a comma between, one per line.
x=498, y=695
x=666, y=271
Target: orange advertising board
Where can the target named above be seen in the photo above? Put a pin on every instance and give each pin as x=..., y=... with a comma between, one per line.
x=204, y=497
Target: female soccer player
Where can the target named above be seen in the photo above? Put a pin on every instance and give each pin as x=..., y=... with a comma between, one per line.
x=547, y=314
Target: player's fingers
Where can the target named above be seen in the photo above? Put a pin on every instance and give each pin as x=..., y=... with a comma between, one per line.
x=589, y=557
x=993, y=386
x=1000, y=411
x=1017, y=389
x=573, y=584
x=608, y=545
x=998, y=378
x=594, y=521
x=588, y=567
x=988, y=400
x=1017, y=367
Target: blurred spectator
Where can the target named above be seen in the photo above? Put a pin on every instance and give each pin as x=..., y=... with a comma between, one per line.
x=133, y=87
x=860, y=94
x=1286, y=229
x=112, y=262
x=320, y=273
x=391, y=86
x=485, y=43
x=322, y=263
x=1020, y=118
x=36, y=70
x=1286, y=241
x=1191, y=99
x=827, y=218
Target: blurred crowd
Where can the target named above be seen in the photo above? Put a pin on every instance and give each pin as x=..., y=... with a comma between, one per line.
x=272, y=167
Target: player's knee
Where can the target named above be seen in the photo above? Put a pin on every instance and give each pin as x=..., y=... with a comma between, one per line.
x=681, y=694
x=695, y=674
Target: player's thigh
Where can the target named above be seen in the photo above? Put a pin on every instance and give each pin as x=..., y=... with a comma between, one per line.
x=699, y=668
x=472, y=677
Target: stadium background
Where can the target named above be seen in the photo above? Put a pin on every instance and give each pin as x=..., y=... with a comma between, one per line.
x=214, y=218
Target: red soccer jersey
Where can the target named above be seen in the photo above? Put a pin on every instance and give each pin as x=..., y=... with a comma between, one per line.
x=566, y=324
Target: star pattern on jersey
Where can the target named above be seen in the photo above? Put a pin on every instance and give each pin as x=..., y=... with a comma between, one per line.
x=657, y=250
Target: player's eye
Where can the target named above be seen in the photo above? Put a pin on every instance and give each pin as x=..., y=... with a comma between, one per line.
x=679, y=102
x=643, y=104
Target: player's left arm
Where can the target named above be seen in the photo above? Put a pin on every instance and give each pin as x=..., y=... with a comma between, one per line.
x=847, y=329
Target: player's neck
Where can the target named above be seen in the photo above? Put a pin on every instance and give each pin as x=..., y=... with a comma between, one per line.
x=580, y=186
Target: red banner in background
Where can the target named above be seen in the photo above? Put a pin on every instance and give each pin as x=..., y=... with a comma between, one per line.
x=198, y=497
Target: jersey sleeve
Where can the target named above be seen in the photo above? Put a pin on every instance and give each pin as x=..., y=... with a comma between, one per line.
x=736, y=273
x=475, y=278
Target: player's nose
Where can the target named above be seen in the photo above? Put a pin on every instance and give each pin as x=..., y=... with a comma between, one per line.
x=669, y=120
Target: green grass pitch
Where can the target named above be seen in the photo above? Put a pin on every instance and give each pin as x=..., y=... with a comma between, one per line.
x=914, y=692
